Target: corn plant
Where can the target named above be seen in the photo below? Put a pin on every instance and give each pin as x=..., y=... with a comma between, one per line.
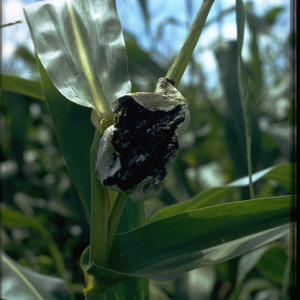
x=119, y=148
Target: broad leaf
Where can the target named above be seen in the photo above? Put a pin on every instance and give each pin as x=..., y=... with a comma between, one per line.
x=170, y=247
x=21, y=283
x=75, y=134
x=22, y=86
x=215, y=195
x=81, y=46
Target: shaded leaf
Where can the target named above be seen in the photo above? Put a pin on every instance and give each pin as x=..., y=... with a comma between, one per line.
x=244, y=88
x=248, y=261
x=232, y=114
x=75, y=134
x=23, y=52
x=81, y=46
x=254, y=285
x=136, y=288
x=21, y=283
x=272, y=264
x=213, y=196
x=240, y=23
x=22, y=86
x=19, y=108
x=11, y=218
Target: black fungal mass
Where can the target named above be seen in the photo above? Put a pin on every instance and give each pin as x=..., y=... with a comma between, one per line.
x=143, y=141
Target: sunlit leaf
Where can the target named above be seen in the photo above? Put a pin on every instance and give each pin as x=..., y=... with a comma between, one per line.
x=22, y=86
x=18, y=282
x=170, y=247
x=81, y=46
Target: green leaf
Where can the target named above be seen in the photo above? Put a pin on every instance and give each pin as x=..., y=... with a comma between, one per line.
x=240, y=22
x=232, y=114
x=133, y=217
x=285, y=175
x=170, y=247
x=272, y=264
x=243, y=87
x=136, y=288
x=272, y=14
x=11, y=218
x=81, y=46
x=21, y=283
x=22, y=86
x=254, y=285
x=248, y=261
x=245, y=100
x=75, y=134
x=133, y=289
x=215, y=195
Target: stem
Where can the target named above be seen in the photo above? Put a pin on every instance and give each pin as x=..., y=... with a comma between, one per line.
x=115, y=217
x=99, y=223
x=177, y=69
x=99, y=213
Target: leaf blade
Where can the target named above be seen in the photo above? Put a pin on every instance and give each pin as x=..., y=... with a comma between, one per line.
x=169, y=239
x=31, y=285
x=75, y=134
x=167, y=248
x=22, y=86
x=80, y=44
x=214, y=195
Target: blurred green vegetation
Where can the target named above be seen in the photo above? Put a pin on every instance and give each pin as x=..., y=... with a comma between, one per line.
x=35, y=179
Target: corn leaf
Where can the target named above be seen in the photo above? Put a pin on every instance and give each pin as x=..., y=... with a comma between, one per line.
x=81, y=46
x=22, y=86
x=243, y=87
x=21, y=283
x=75, y=134
x=170, y=247
x=215, y=195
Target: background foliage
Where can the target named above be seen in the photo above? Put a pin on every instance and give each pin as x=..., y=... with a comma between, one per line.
x=36, y=183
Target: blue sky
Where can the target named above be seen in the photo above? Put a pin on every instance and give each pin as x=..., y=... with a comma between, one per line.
x=173, y=35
